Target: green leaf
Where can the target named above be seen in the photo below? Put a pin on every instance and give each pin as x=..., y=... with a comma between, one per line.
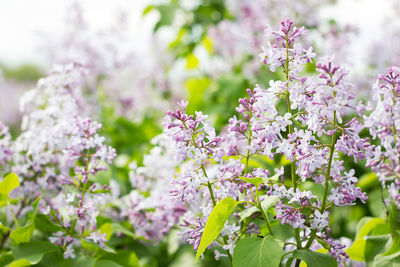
x=19, y=263
x=366, y=225
x=118, y=228
x=95, y=248
x=367, y=180
x=167, y=14
x=196, y=88
x=106, y=263
x=269, y=201
x=324, y=244
x=83, y=261
x=192, y=62
x=9, y=183
x=4, y=229
x=256, y=181
x=314, y=259
x=215, y=223
x=6, y=258
x=35, y=206
x=208, y=44
x=257, y=252
x=33, y=251
x=123, y=258
x=22, y=234
x=284, y=161
x=106, y=228
x=387, y=261
x=375, y=244
x=394, y=227
x=147, y=9
x=44, y=224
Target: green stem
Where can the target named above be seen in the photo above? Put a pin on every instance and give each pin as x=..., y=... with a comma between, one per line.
x=259, y=205
x=328, y=173
x=13, y=214
x=249, y=143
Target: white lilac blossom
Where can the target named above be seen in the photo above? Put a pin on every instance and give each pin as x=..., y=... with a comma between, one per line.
x=10, y=94
x=49, y=114
x=98, y=237
x=384, y=125
x=317, y=108
x=125, y=77
x=5, y=146
x=149, y=207
x=58, y=154
x=245, y=32
x=66, y=241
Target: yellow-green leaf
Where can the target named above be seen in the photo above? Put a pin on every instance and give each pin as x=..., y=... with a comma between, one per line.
x=356, y=251
x=9, y=183
x=192, y=62
x=22, y=234
x=20, y=263
x=106, y=228
x=215, y=223
x=208, y=44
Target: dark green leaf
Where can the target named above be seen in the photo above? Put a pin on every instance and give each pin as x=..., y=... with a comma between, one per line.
x=314, y=259
x=123, y=257
x=106, y=263
x=33, y=251
x=257, y=252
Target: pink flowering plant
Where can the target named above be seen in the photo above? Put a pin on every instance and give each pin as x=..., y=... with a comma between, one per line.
x=308, y=122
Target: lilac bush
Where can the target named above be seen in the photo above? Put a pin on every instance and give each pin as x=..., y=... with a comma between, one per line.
x=262, y=190
x=318, y=108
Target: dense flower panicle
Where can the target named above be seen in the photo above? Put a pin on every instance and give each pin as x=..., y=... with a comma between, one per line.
x=193, y=137
x=384, y=124
x=285, y=51
x=5, y=146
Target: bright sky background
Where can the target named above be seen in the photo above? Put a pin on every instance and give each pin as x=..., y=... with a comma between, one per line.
x=22, y=20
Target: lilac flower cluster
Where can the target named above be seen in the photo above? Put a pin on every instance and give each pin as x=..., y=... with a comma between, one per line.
x=199, y=185
x=77, y=205
x=317, y=109
x=58, y=154
x=384, y=124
